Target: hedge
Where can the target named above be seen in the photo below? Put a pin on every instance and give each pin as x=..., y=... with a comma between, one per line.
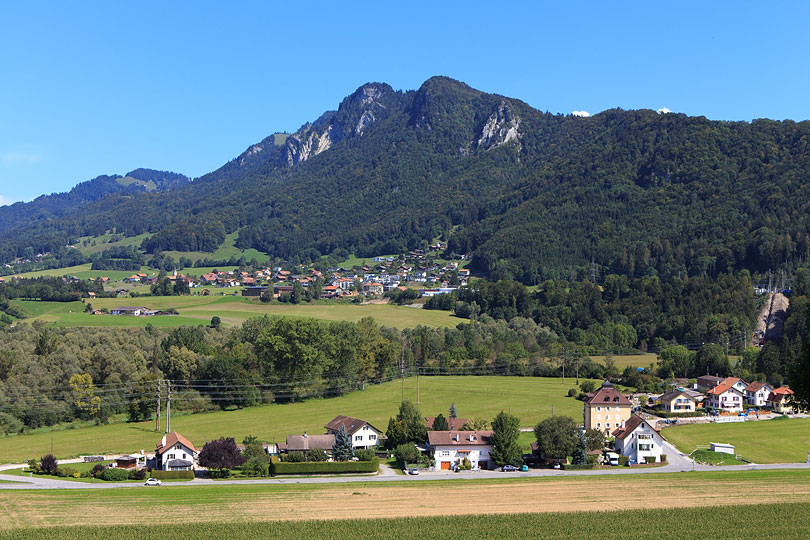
x=173, y=475
x=583, y=466
x=325, y=467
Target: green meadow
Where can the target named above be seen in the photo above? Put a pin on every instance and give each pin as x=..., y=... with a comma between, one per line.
x=762, y=441
x=529, y=398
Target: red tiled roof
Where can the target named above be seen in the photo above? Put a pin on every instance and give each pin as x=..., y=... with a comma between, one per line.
x=454, y=424
x=172, y=439
x=459, y=438
x=352, y=424
x=607, y=395
x=755, y=386
x=630, y=426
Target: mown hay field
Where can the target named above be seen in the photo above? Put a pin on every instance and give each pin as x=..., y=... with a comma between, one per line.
x=629, y=506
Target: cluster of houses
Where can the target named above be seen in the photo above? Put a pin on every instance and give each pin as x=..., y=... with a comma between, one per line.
x=726, y=395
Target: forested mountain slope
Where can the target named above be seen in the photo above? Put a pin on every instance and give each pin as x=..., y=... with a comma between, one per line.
x=529, y=194
x=57, y=205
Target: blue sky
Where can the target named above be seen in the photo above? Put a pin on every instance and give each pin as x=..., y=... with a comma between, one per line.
x=93, y=88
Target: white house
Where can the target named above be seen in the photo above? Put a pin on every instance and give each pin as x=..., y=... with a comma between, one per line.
x=451, y=447
x=638, y=440
x=757, y=393
x=735, y=382
x=363, y=434
x=175, y=453
x=725, y=397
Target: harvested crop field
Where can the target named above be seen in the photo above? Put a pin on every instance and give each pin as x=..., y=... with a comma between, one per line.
x=260, y=503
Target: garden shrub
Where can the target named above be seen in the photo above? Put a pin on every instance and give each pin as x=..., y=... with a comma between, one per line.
x=137, y=474
x=364, y=455
x=317, y=454
x=649, y=459
x=97, y=469
x=663, y=458
x=572, y=392
x=293, y=457
x=624, y=461
x=114, y=475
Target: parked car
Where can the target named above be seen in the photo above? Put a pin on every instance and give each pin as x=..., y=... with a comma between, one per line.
x=556, y=465
x=524, y=468
x=509, y=468
x=152, y=482
x=413, y=470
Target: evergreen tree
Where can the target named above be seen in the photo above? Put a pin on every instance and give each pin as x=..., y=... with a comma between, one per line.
x=580, y=454
x=342, y=450
x=505, y=447
x=440, y=424
x=453, y=412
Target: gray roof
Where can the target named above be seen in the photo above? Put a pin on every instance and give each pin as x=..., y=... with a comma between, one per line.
x=178, y=463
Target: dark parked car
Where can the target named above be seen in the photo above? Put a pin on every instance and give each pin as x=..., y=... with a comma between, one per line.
x=509, y=468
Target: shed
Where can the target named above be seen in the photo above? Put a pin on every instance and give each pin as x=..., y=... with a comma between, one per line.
x=724, y=448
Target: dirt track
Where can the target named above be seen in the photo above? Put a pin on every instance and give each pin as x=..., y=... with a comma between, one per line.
x=771, y=319
x=238, y=504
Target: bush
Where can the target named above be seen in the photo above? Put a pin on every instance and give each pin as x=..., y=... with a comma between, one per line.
x=67, y=472
x=137, y=474
x=10, y=424
x=663, y=458
x=572, y=392
x=317, y=454
x=48, y=464
x=649, y=459
x=325, y=467
x=34, y=466
x=114, y=475
x=97, y=469
x=592, y=459
x=293, y=457
x=624, y=461
x=580, y=467
x=406, y=453
x=219, y=473
x=256, y=466
x=173, y=475
x=364, y=455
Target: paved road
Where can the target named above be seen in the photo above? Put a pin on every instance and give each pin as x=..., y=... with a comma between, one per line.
x=677, y=462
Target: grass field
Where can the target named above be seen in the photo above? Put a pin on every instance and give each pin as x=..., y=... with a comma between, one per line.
x=551, y=507
x=223, y=253
x=634, y=360
x=231, y=309
x=715, y=458
x=83, y=271
x=94, y=244
x=764, y=441
x=529, y=398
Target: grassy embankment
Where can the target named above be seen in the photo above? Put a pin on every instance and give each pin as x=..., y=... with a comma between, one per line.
x=530, y=399
x=763, y=441
x=641, y=506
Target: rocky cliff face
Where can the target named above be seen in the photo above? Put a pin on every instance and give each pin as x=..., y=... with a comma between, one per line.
x=500, y=128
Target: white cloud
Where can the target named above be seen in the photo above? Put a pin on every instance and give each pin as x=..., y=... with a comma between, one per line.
x=663, y=110
x=23, y=158
x=583, y=114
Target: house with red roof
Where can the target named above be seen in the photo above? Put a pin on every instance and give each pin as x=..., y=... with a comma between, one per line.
x=779, y=400
x=639, y=441
x=606, y=409
x=175, y=453
x=757, y=393
x=449, y=448
x=363, y=434
x=725, y=397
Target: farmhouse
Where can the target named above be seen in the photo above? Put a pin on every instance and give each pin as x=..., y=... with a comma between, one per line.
x=175, y=453
x=638, y=440
x=451, y=447
x=757, y=393
x=131, y=310
x=606, y=408
x=304, y=443
x=780, y=400
x=725, y=397
x=363, y=434
x=373, y=288
x=678, y=401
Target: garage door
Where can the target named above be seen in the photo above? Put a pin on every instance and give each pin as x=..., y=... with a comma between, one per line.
x=445, y=465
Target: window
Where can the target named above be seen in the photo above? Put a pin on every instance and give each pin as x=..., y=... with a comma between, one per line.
x=645, y=436
x=607, y=425
x=445, y=453
x=177, y=447
x=184, y=455
x=598, y=416
x=607, y=408
x=644, y=446
x=358, y=437
x=171, y=456
x=372, y=437
x=598, y=424
x=598, y=408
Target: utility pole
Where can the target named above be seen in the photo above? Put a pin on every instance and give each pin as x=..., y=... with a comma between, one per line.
x=157, y=416
x=577, y=353
x=402, y=371
x=168, y=406
x=417, y=385
x=563, y=367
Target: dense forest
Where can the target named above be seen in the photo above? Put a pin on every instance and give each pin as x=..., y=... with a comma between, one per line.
x=531, y=196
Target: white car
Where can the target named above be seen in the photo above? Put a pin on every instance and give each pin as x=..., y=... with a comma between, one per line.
x=152, y=482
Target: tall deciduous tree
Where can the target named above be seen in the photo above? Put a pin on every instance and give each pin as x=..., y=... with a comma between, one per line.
x=222, y=454
x=556, y=437
x=505, y=433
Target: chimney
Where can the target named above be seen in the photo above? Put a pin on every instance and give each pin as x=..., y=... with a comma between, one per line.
x=305, y=434
x=472, y=437
x=163, y=441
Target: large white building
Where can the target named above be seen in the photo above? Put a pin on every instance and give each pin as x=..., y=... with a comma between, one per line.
x=451, y=447
x=726, y=398
x=638, y=440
